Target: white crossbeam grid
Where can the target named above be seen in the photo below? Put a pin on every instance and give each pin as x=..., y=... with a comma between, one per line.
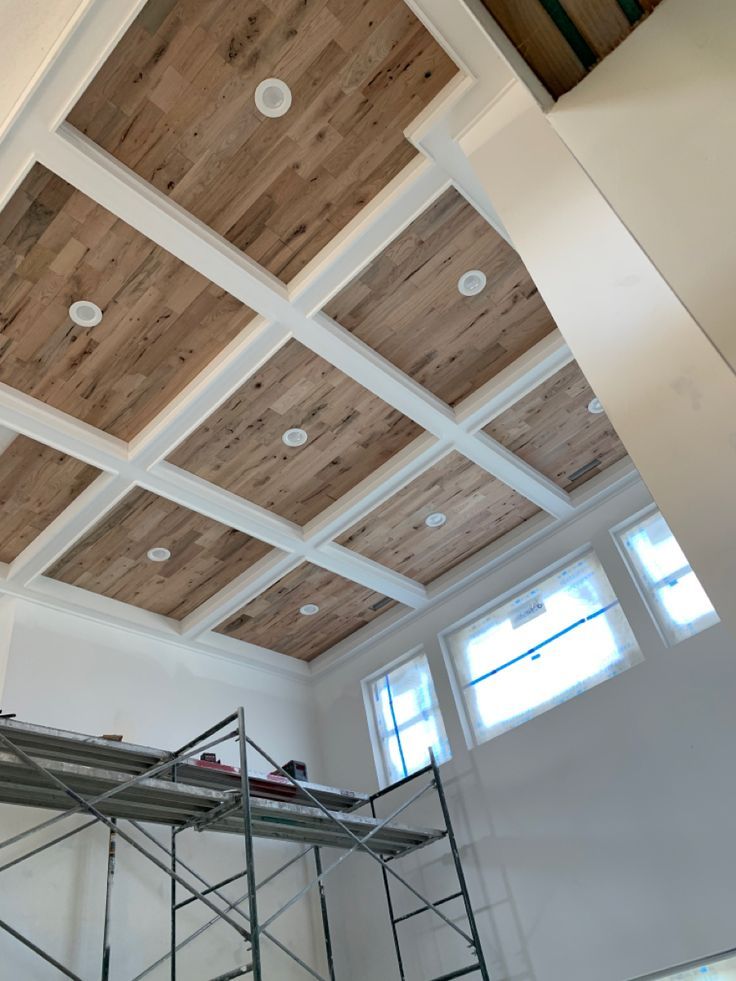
x=282, y=313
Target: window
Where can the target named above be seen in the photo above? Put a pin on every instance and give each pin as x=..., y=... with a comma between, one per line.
x=720, y=967
x=540, y=648
x=669, y=586
x=407, y=717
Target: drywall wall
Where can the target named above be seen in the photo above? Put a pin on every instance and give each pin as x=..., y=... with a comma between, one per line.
x=67, y=672
x=597, y=837
x=654, y=125
x=31, y=30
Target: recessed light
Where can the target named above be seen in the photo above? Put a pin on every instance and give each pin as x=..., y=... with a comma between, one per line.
x=472, y=282
x=84, y=313
x=435, y=520
x=158, y=554
x=309, y=609
x=273, y=97
x=294, y=437
x=595, y=407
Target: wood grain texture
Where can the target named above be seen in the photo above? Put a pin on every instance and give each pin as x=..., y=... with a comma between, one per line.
x=479, y=510
x=602, y=24
x=162, y=322
x=175, y=102
x=533, y=32
x=553, y=431
x=351, y=433
x=406, y=304
x=273, y=619
x=111, y=559
x=36, y=484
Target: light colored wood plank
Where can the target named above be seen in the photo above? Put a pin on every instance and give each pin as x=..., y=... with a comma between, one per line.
x=553, y=431
x=273, y=619
x=162, y=322
x=602, y=23
x=111, y=559
x=175, y=102
x=406, y=304
x=36, y=484
x=479, y=509
x=351, y=433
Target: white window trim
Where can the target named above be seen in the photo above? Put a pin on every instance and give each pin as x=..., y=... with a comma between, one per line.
x=569, y=558
x=384, y=777
x=617, y=536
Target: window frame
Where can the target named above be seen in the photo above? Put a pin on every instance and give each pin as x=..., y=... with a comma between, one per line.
x=617, y=532
x=385, y=777
x=472, y=737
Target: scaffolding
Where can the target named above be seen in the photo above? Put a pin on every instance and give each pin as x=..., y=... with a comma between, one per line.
x=124, y=786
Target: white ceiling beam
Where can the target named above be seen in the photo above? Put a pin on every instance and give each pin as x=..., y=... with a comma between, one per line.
x=74, y=522
x=510, y=385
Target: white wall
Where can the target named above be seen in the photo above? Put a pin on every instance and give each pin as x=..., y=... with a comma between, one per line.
x=655, y=127
x=598, y=837
x=67, y=672
x=31, y=31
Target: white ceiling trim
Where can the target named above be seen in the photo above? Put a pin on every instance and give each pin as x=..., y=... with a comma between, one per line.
x=40, y=133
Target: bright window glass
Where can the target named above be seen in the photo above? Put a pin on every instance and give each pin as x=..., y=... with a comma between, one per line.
x=670, y=587
x=547, y=644
x=719, y=968
x=408, y=718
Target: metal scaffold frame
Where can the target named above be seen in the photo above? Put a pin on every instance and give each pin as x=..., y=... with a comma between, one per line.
x=45, y=767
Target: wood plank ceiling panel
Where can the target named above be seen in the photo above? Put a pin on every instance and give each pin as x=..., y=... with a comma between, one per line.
x=562, y=41
x=36, y=484
x=162, y=322
x=273, y=619
x=175, y=102
x=350, y=434
x=407, y=306
x=552, y=429
x=479, y=509
x=112, y=558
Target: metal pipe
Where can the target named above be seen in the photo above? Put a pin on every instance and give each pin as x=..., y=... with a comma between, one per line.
x=47, y=844
x=400, y=783
x=345, y=855
x=325, y=917
x=389, y=903
x=37, y=950
x=232, y=904
x=145, y=775
x=208, y=732
x=250, y=867
x=459, y=872
x=237, y=973
x=108, y=902
x=52, y=778
x=471, y=969
x=423, y=909
x=172, y=914
x=191, y=871
x=360, y=844
x=217, y=885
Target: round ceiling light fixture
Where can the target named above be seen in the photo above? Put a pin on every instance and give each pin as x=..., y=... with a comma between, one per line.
x=472, y=282
x=294, y=437
x=435, y=520
x=309, y=609
x=273, y=97
x=158, y=554
x=595, y=407
x=84, y=313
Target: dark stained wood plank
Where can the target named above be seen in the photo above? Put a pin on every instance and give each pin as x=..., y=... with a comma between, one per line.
x=479, y=510
x=533, y=32
x=406, y=304
x=162, y=322
x=175, y=102
x=351, y=433
x=112, y=560
x=602, y=24
x=273, y=619
x=36, y=484
x=553, y=431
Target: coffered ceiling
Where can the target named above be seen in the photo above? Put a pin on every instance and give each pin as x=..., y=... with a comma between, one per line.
x=323, y=381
